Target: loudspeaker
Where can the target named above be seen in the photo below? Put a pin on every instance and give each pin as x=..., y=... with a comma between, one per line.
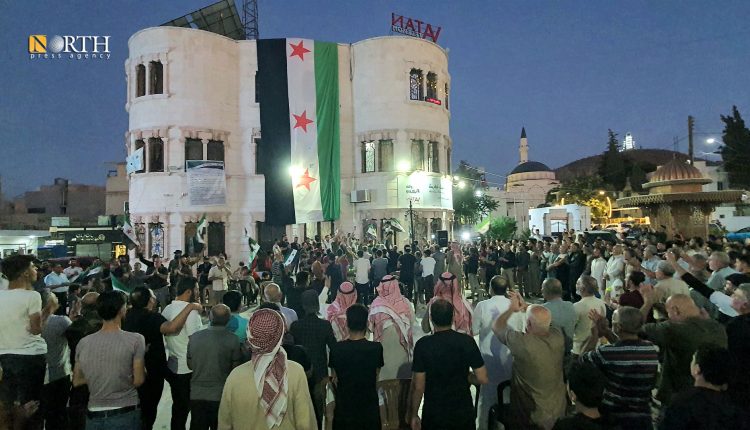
x=442, y=238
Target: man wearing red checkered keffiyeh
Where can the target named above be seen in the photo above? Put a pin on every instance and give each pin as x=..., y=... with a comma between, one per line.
x=265, y=331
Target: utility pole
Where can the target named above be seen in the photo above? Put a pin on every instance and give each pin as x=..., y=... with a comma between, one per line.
x=691, y=124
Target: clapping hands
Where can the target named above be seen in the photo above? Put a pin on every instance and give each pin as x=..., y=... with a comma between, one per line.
x=517, y=302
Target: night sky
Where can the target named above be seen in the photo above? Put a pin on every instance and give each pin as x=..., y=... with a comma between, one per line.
x=566, y=70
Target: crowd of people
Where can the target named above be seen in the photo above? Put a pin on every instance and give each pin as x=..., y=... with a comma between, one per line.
x=338, y=333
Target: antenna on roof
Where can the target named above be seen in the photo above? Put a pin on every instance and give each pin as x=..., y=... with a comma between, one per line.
x=250, y=19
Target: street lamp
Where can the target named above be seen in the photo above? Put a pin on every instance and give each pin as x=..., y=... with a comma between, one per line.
x=478, y=193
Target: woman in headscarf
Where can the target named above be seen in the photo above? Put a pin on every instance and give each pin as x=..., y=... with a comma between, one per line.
x=336, y=312
x=447, y=288
x=390, y=321
x=269, y=391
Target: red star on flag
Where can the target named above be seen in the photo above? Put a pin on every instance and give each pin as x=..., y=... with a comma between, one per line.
x=305, y=180
x=301, y=121
x=299, y=50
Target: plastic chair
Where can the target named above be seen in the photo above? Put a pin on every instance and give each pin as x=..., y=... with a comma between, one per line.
x=394, y=403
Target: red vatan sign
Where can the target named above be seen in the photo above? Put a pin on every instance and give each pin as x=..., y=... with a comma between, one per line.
x=414, y=27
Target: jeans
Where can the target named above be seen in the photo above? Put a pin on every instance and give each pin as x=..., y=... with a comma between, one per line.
x=179, y=384
x=23, y=377
x=204, y=415
x=79, y=399
x=150, y=394
x=363, y=293
x=22, y=382
x=55, y=402
x=474, y=283
x=215, y=297
x=429, y=287
x=408, y=289
x=127, y=421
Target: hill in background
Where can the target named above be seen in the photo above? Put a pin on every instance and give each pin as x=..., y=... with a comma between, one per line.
x=647, y=159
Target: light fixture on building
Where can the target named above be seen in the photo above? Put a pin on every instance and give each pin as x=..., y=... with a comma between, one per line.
x=461, y=184
x=296, y=171
x=403, y=166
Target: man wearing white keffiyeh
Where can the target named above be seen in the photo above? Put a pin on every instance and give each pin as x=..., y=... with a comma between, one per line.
x=269, y=391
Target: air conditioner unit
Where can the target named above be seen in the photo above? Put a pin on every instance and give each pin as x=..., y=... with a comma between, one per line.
x=360, y=196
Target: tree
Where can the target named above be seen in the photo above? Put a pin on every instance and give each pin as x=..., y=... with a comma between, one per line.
x=503, y=228
x=736, y=149
x=612, y=168
x=468, y=207
x=585, y=191
x=637, y=177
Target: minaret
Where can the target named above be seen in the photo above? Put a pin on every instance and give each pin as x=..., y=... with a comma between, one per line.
x=523, y=148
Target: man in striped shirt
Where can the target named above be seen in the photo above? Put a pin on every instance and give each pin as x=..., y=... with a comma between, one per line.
x=630, y=365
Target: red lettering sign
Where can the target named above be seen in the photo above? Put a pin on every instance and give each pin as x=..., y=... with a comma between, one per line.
x=414, y=27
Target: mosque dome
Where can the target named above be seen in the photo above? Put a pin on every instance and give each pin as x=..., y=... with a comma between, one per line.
x=676, y=170
x=530, y=166
x=676, y=176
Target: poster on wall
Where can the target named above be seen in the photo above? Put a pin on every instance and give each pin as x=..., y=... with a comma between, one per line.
x=157, y=240
x=425, y=191
x=207, y=184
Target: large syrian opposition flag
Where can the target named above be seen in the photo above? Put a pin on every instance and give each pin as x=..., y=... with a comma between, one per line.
x=299, y=118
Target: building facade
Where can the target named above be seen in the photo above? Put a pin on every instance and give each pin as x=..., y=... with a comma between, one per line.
x=193, y=95
x=116, y=190
x=79, y=204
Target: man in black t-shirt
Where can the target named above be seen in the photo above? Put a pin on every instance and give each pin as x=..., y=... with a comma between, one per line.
x=156, y=278
x=333, y=272
x=491, y=264
x=142, y=319
x=406, y=264
x=441, y=373
x=203, y=270
x=356, y=363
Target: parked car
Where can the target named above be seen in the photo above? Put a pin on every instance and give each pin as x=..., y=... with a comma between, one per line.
x=740, y=235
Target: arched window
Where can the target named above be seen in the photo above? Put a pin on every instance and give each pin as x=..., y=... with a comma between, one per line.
x=215, y=150
x=216, y=238
x=193, y=149
x=368, y=157
x=433, y=157
x=385, y=155
x=432, y=91
x=139, y=144
x=416, y=85
x=446, y=96
x=155, y=155
x=417, y=154
x=448, y=160
x=140, y=80
x=155, y=77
